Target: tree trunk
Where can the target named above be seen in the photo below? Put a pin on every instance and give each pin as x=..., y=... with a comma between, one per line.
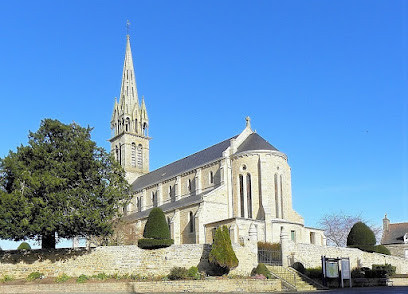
x=48, y=241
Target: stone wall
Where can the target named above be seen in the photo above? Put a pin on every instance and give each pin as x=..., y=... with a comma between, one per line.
x=117, y=259
x=208, y=286
x=310, y=256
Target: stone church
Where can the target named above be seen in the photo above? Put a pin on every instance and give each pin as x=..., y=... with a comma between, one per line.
x=240, y=182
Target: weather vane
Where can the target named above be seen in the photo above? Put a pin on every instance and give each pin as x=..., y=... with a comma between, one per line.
x=127, y=27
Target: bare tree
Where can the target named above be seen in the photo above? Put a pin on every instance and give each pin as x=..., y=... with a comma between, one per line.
x=337, y=226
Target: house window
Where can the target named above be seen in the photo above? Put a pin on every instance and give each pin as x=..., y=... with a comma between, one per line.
x=281, y=196
x=241, y=195
x=169, y=224
x=133, y=154
x=276, y=196
x=154, y=199
x=189, y=185
x=211, y=177
x=312, y=238
x=191, y=222
x=140, y=156
x=249, y=196
x=139, y=204
x=293, y=235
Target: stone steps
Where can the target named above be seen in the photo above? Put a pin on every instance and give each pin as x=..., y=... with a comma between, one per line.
x=292, y=278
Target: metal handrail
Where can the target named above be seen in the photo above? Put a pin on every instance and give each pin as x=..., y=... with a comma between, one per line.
x=309, y=280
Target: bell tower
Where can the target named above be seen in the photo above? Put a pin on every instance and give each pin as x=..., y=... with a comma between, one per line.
x=130, y=124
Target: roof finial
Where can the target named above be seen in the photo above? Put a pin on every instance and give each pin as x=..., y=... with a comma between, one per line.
x=127, y=27
x=248, y=122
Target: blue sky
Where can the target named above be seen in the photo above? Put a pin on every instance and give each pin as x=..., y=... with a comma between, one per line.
x=325, y=82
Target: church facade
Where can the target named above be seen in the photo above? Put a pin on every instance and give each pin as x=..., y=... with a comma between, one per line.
x=241, y=182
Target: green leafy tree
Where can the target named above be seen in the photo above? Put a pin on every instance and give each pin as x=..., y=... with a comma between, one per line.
x=222, y=253
x=360, y=234
x=61, y=184
x=156, y=231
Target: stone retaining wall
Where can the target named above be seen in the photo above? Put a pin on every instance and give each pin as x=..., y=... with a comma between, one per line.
x=116, y=259
x=210, y=286
x=310, y=256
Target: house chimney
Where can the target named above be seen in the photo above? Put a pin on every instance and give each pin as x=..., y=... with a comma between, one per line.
x=386, y=223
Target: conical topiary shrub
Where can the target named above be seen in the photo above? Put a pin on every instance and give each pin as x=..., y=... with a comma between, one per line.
x=24, y=246
x=360, y=235
x=222, y=254
x=156, y=231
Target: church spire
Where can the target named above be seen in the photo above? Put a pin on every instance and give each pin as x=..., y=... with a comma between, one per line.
x=128, y=92
x=130, y=123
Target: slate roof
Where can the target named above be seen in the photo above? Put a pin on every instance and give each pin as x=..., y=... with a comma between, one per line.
x=255, y=142
x=395, y=234
x=208, y=155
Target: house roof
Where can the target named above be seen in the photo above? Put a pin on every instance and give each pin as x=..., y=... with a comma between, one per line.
x=255, y=142
x=395, y=234
x=208, y=155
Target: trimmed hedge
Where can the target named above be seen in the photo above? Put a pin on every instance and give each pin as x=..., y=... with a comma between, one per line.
x=156, y=226
x=177, y=273
x=154, y=243
x=360, y=234
x=24, y=246
x=269, y=246
x=261, y=269
x=156, y=231
x=370, y=248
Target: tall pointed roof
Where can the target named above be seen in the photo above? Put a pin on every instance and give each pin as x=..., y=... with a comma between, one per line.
x=128, y=92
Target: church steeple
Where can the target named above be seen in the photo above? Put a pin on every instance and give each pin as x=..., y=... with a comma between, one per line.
x=128, y=91
x=129, y=124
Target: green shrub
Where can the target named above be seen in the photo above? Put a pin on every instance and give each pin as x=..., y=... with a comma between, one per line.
x=82, y=279
x=382, y=249
x=299, y=267
x=360, y=234
x=261, y=269
x=222, y=254
x=24, y=246
x=269, y=246
x=389, y=270
x=314, y=272
x=35, y=276
x=156, y=231
x=156, y=226
x=177, y=273
x=154, y=243
x=62, y=278
x=102, y=276
x=6, y=278
x=193, y=273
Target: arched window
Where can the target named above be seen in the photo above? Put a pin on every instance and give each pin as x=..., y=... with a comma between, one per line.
x=211, y=177
x=139, y=204
x=241, y=195
x=276, y=196
x=133, y=154
x=127, y=124
x=154, y=199
x=189, y=185
x=140, y=156
x=191, y=222
x=169, y=223
x=281, y=195
x=249, y=196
